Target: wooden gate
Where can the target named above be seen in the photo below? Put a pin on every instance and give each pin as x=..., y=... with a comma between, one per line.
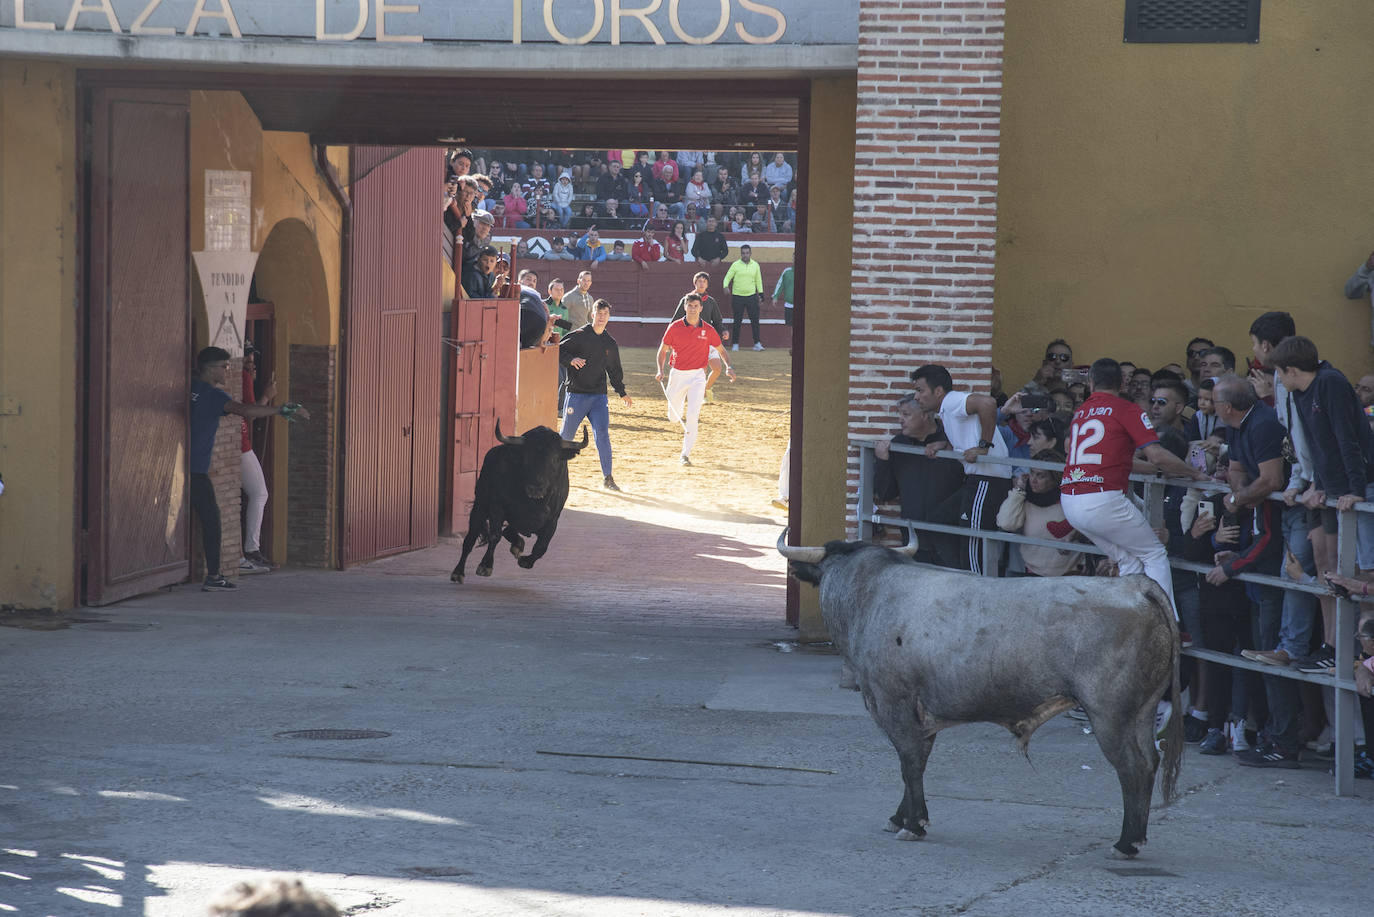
x=137, y=345
x=392, y=341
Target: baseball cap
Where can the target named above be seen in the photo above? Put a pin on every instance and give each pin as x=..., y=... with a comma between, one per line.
x=488, y=250
x=483, y=216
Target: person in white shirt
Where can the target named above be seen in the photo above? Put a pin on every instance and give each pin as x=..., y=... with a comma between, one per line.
x=970, y=423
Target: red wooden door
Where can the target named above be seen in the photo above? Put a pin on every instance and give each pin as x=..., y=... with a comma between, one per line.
x=138, y=342
x=482, y=388
x=392, y=341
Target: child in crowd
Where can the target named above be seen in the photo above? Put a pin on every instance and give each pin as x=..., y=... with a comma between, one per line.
x=1033, y=509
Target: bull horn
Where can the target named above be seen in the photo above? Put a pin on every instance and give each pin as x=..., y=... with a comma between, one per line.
x=572, y=444
x=801, y=555
x=912, y=546
x=508, y=440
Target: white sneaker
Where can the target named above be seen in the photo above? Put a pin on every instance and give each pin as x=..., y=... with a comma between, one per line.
x=758, y=345
x=1163, y=712
x=734, y=347
x=247, y=566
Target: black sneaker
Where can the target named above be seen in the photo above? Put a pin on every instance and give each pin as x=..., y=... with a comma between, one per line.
x=1194, y=729
x=1214, y=743
x=216, y=584
x=1268, y=756
x=1323, y=662
x=611, y=484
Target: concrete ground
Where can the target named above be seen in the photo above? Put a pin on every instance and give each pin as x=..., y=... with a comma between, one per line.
x=626, y=729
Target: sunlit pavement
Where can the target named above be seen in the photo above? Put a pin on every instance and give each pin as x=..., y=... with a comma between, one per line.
x=626, y=729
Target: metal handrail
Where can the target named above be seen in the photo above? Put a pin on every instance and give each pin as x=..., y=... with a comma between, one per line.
x=1346, y=607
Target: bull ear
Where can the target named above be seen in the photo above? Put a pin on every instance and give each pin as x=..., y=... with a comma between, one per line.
x=508, y=440
x=800, y=555
x=574, y=446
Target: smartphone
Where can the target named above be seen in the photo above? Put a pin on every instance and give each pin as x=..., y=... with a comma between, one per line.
x=1254, y=365
x=1036, y=402
x=1205, y=510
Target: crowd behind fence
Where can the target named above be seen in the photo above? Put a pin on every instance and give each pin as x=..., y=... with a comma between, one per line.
x=1346, y=699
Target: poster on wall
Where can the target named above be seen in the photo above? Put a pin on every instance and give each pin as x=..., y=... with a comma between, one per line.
x=226, y=266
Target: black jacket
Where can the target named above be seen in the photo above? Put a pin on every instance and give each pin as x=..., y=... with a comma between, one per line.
x=1338, y=435
x=710, y=314
x=920, y=484
x=603, y=360
x=710, y=246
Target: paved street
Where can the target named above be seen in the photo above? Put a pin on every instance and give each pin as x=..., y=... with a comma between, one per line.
x=626, y=729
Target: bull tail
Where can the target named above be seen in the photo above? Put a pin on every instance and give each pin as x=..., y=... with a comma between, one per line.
x=1173, y=732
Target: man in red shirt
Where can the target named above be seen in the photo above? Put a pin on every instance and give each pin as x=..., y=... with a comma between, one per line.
x=646, y=251
x=1107, y=430
x=693, y=345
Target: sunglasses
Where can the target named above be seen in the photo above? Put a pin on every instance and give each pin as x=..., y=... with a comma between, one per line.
x=1159, y=401
x=1198, y=353
x=1059, y=357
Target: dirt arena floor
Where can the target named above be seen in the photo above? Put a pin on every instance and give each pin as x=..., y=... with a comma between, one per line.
x=740, y=442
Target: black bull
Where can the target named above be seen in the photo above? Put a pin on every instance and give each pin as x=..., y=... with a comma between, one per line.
x=932, y=649
x=520, y=491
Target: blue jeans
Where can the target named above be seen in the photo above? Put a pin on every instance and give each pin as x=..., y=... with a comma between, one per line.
x=564, y=215
x=1364, y=525
x=1299, y=608
x=1281, y=693
x=594, y=408
x=1188, y=602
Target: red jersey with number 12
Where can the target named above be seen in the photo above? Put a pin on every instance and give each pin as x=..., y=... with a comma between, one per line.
x=1107, y=430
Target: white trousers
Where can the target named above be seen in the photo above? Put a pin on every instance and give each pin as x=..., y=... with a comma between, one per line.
x=689, y=387
x=1114, y=524
x=255, y=486
x=785, y=473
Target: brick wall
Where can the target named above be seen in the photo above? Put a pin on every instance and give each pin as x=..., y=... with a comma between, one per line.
x=926, y=152
x=311, y=497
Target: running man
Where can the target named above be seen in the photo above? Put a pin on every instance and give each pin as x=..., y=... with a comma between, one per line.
x=1107, y=430
x=591, y=356
x=693, y=345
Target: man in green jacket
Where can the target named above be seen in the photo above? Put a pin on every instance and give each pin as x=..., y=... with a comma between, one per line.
x=783, y=293
x=744, y=280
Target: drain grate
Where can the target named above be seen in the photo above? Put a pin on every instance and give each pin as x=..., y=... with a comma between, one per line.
x=333, y=734
x=1149, y=871
x=438, y=871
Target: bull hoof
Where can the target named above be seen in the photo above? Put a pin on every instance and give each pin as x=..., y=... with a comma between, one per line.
x=892, y=827
x=484, y=571
x=455, y=577
x=526, y=562
x=517, y=547
x=905, y=835
x=1122, y=851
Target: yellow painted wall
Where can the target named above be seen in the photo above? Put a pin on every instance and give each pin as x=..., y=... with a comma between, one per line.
x=38, y=334
x=1150, y=193
x=297, y=229
x=825, y=421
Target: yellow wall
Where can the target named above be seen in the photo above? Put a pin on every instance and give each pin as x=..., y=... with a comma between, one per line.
x=297, y=229
x=829, y=229
x=1150, y=193
x=38, y=334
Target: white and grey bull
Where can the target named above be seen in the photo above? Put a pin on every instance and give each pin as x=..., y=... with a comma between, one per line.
x=933, y=648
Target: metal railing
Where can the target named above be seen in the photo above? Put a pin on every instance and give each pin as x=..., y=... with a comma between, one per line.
x=1346, y=698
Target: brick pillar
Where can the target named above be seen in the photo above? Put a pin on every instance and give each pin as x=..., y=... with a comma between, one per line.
x=312, y=492
x=925, y=193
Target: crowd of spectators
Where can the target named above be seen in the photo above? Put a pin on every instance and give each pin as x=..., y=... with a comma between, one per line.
x=1285, y=423
x=571, y=192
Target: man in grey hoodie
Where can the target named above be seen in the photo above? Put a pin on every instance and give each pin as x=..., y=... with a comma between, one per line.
x=562, y=196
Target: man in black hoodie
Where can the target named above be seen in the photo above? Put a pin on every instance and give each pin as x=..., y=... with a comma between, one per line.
x=591, y=356
x=1340, y=443
x=920, y=484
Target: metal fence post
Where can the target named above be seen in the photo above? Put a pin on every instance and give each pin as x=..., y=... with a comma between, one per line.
x=1346, y=701
x=867, y=463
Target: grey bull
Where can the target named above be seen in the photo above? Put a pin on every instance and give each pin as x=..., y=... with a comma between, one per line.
x=932, y=649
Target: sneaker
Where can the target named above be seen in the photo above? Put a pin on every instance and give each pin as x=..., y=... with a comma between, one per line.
x=1078, y=713
x=758, y=345
x=1268, y=657
x=216, y=584
x=684, y=460
x=1364, y=766
x=781, y=504
x=611, y=484
x=1269, y=756
x=261, y=559
x=247, y=567
x=1214, y=743
x=1235, y=733
x=710, y=396
x=734, y=347
x=1323, y=662
x=1194, y=729
x=1163, y=712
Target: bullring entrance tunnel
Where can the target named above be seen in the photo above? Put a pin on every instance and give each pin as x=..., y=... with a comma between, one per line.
x=389, y=115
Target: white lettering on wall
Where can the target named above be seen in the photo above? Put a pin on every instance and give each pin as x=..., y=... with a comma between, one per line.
x=138, y=28
x=357, y=30
x=84, y=6
x=21, y=22
x=676, y=23
x=225, y=12
x=754, y=6
x=642, y=14
x=383, y=7
x=559, y=37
